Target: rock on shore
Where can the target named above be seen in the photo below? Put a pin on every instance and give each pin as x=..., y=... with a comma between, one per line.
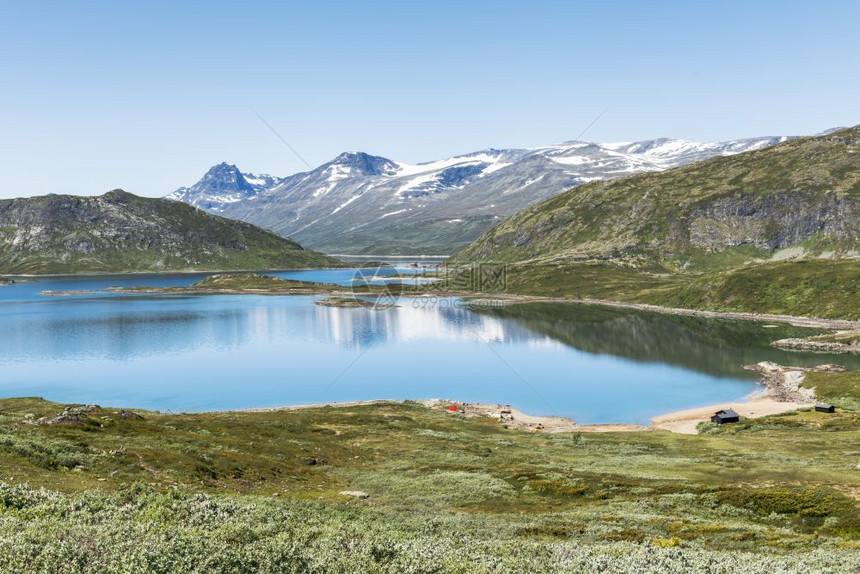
x=783, y=383
x=820, y=346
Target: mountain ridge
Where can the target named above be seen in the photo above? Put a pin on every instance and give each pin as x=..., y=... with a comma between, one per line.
x=361, y=203
x=120, y=232
x=223, y=183
x=803, y=194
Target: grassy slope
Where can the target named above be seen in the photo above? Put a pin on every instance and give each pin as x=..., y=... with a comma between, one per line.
x=229, y=281
x=717, y=209
x=819, y=288
x=842, y=389
x=631, y=239
x=455, y=492
x=148, y=235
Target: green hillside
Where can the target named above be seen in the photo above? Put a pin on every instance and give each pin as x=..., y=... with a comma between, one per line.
x=771, y=231
x=801, y=197
x=120, y=232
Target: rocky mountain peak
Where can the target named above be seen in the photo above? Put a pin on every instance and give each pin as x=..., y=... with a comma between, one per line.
x=225, y=176
x=358, y=201
x=118, y=194
x=364, y=163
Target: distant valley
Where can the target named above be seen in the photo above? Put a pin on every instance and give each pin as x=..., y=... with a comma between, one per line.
x=365, y=204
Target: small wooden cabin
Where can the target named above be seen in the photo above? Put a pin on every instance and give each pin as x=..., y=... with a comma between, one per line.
x=825, y=408
x=725, y=416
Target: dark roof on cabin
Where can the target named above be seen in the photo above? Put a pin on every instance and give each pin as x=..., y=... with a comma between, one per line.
x=726, y=413
x=823, y=405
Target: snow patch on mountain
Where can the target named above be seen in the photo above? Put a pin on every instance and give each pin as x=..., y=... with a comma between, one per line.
x=222, y=185
x=343, y=199
x=390, y=213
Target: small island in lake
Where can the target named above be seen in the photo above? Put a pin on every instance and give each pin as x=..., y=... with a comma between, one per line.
x=237, y=283
x=347, y=302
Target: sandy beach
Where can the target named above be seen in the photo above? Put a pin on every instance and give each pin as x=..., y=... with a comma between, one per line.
x=511, y=417
x=781, y=392
x=682, y=422
x=686, y=421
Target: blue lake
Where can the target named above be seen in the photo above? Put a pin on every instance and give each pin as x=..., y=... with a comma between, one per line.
x=191, y=353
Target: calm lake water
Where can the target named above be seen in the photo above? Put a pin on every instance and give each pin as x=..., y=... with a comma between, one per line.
x=191, y=353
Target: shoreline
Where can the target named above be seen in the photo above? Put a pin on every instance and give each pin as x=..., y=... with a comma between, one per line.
x=781, y=392
x=507, y=415
x=406, y=257
x=797, y=321
x=472, y=299
x=687, y=421
x=819, y=346
x=683, y=421
x=477, y=299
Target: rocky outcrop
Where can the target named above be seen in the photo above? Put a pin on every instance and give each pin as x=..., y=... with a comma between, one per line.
x=128, y=415
x=69, y=416
x=784, y=383
x=771, y=222
x=818, y=346
x=345, y=302
x=360, y=494
x=222, y=185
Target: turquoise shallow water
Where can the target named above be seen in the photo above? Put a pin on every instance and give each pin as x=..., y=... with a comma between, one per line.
x=188, y=353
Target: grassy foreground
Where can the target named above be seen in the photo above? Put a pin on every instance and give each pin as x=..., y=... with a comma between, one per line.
x=120, y=491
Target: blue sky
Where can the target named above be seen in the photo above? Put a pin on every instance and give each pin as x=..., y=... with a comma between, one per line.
x=147, y=95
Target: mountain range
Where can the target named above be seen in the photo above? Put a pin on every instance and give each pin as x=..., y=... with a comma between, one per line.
x=364, y=204
x=120, y=232
x=775, y=231
x=798, y=198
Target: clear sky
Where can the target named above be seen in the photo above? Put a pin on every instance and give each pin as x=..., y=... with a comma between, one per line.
x=147, y=95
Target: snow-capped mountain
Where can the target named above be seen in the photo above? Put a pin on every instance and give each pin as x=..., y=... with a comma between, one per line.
x=223, y=184
x=364, y=204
